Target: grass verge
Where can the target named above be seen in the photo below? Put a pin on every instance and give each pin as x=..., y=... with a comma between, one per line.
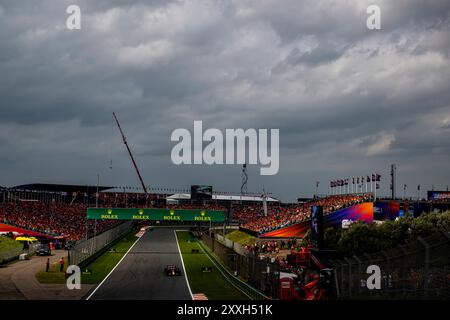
x=7, y=243
x=212, y=284
x=241, y=237
x=6, y=246
x=98, y=269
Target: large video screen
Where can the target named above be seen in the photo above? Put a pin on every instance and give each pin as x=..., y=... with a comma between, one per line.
x=317, y=225
x=201, y=192
x=361, y=212
x=387, y=210
x=438, y=195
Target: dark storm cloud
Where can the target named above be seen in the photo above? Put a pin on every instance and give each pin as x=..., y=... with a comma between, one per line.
x=346, y=100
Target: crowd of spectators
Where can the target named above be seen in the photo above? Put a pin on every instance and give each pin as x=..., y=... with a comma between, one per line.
x=246, y=213
x=187, y=206
x=54, y=219
x=69, y=220
x=127, y=199
x=279, y=216
x=271, y=247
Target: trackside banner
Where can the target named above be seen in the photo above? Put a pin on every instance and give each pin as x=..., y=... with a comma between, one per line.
x=196, y=215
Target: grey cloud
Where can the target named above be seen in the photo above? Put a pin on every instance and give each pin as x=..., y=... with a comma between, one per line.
x=311, y=68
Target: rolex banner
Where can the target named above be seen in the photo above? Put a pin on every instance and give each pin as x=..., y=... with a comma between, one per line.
x=195, y=215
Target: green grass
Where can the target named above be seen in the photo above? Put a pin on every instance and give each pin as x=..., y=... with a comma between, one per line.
x=99, y=268
x=213, y=284
x=53, y=275
x=7, y=243
x=241, y=237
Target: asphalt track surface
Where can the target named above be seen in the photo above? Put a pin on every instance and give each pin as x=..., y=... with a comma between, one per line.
x=140, y=275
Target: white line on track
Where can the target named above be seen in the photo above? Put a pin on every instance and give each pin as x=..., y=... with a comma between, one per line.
x=182, y=263
x=113, y=269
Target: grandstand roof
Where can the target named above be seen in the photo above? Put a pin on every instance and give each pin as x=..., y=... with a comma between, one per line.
x=60, y=187
x=187, y=196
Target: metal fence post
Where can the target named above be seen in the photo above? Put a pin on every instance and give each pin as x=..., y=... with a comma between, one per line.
x=426, y=264
x=342, y=278
x=403, y=270
x=387, y=270
x=337, y=287
x=349, y=277
x=369, y=262
x=447, y=237
x=359, y=273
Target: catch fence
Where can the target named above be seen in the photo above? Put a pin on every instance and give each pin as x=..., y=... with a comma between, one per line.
x=85, y=249
x=417, y=270
x=261, y=274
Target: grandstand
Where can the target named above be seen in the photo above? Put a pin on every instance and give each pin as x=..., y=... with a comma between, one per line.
x=280, y=217
x=59, y=212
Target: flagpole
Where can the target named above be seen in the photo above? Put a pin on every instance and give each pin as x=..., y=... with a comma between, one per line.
x=357, y=185
x=375, y=189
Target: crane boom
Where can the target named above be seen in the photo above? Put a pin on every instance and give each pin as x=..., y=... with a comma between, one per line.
x=131, y=155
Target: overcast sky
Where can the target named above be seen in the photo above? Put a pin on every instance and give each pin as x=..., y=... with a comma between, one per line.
x=347, y=100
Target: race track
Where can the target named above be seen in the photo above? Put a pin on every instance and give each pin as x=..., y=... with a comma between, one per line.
x=140, y=274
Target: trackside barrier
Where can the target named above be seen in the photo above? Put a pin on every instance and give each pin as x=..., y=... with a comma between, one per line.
x=238, y=248
x=249, y=291
x=261, y=276
x=85, y=250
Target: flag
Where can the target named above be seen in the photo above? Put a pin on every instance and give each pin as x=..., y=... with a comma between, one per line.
x=378, y=177
x=373, y=177
x=368, y=178
x=418, y=187
x=378, y=186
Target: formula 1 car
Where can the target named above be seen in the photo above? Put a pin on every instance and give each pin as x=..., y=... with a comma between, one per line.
x=172, y=270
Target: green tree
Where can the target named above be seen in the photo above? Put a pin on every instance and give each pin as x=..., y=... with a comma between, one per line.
x=368, y=238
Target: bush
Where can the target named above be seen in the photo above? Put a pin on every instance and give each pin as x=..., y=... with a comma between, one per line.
x=368, y=238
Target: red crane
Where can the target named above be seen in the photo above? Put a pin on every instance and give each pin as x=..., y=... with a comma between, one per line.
x=131, y=155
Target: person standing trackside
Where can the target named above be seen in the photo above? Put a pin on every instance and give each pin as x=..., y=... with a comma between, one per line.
x=61, y=264
x=47, y=265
